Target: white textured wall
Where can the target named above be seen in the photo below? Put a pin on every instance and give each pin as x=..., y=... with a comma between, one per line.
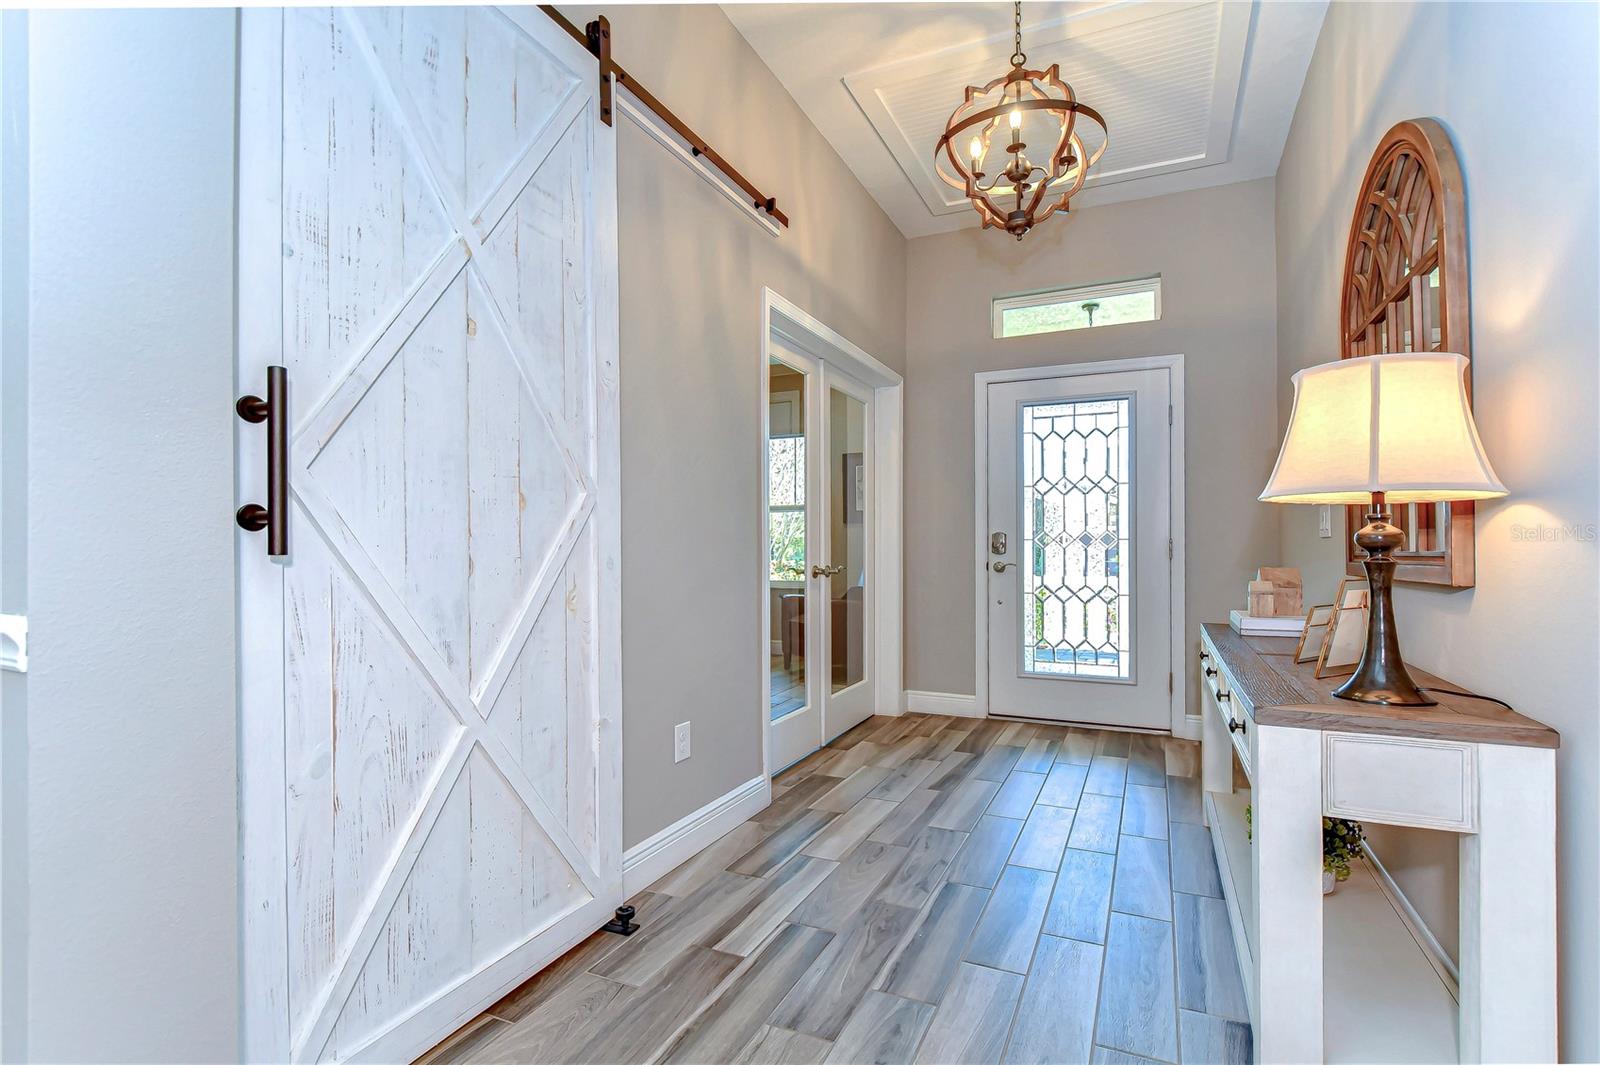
x=1516, y=85
x=13, y=522
x=132, y=820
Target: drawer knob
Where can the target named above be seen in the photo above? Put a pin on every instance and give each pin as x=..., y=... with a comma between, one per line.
x=1224, y=695
x=1235, y=726
x=1210, y=672
x=1204, y=655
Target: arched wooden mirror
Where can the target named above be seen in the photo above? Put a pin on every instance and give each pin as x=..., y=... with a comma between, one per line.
x=1405, y=289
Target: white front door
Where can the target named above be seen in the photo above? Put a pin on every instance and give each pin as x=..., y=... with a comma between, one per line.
x=1077, y=554
x=430, y=678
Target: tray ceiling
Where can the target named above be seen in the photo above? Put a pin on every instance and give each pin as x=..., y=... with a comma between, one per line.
x=1195, y=94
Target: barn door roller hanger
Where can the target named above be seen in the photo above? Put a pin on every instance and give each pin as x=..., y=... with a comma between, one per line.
x=596, y=37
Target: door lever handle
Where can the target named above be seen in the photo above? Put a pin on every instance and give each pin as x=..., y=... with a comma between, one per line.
x=1001, y=567
x=827, y=571
x=274, y=410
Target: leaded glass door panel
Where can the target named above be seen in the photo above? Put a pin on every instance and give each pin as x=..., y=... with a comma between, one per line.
x=1076, y=558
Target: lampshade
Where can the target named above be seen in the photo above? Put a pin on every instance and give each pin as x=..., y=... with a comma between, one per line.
x=1398, y=424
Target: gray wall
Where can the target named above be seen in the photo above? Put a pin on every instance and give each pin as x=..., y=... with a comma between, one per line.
x=691, y=279
x=1213, y=250
x=1516, y=86
x=132, y=830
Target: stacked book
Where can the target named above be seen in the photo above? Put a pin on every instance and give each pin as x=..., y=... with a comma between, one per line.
x=1254, y=625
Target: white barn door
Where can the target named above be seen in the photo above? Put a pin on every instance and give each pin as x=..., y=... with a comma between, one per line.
x=430, y=679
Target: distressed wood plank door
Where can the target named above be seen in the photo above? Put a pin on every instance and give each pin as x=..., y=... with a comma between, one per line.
x=431, y=798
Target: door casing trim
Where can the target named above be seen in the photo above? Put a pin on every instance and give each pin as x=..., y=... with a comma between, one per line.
x=1177, y=704
x=799, y=329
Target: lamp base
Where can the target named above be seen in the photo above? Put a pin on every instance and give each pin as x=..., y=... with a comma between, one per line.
x=1381, y=676
x=1374, y=689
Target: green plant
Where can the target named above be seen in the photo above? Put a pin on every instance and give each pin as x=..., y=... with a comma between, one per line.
x=1341, y=841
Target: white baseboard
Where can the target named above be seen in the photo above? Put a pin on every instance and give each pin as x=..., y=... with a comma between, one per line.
x=942, y=703
x=652, y=859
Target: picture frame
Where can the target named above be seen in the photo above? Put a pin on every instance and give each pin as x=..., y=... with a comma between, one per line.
x=1347, y=632
x=1315, y=633
x=854, y=485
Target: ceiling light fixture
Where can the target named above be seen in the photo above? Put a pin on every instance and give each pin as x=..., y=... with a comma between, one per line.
x=1020, y=193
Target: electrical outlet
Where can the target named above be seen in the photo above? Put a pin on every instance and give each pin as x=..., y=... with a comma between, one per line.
x=680, y=742
x=1325, y=520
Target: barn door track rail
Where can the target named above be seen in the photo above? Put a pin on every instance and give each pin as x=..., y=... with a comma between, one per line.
x=596, y=37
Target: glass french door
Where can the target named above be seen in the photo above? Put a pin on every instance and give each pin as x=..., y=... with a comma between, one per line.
x=846, y=583
x=793, y=468
x=818, y=531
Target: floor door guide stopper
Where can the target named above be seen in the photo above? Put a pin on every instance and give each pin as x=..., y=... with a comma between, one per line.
x=623, y=925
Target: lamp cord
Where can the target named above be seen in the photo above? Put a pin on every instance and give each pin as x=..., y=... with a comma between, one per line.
x=1470, y=695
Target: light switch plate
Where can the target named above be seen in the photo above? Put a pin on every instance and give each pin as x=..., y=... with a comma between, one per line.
x=680, y=742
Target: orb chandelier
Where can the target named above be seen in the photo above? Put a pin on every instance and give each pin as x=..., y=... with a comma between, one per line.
x=1009, y=190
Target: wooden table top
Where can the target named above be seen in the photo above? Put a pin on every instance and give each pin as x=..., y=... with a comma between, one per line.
x=1285, y=692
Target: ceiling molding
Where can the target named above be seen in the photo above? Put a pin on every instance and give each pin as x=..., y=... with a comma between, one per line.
x=1195, y=93
x=1197, y=47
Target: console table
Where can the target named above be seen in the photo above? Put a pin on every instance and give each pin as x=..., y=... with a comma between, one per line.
x=1350, y=979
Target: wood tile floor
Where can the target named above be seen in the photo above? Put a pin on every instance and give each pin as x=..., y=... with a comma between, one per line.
x=925, y=889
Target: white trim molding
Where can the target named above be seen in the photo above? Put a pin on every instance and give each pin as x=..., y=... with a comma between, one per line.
x=649, y=861
x=1183, y=725
x=948, y=704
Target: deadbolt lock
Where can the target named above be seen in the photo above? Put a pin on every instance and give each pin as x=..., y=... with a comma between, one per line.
x=997, y=543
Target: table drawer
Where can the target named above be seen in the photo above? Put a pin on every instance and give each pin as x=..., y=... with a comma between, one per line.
x=1238, y=723
x=1222, y=700
x=1398, y=780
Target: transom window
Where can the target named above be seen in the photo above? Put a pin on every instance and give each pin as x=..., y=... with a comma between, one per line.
x=1084, y=307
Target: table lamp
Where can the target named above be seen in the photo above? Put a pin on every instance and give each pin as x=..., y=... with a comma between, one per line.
x=1383, y=429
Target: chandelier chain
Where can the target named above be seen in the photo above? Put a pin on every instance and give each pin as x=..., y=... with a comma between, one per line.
x=1017, y=56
